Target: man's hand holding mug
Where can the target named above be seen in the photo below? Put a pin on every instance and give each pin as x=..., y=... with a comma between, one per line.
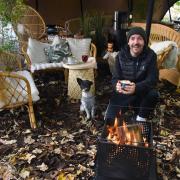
x=125, y=87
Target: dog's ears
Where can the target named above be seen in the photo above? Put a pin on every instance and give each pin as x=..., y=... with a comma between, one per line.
x=90, y=82
x=79, y=81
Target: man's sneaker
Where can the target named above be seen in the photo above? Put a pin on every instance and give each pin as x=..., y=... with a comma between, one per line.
x=140, y=119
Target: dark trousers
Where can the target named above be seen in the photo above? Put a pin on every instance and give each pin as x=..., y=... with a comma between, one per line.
x=143, y=104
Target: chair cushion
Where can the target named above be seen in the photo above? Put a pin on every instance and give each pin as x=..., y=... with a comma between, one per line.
x=58, y=50
x=16, y=88
x=160, y=47
x=41, y=66
x=34, y=90
x=79, y=47
x=35, y=51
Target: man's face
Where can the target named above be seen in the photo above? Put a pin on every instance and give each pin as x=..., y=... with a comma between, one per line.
x=136, y=44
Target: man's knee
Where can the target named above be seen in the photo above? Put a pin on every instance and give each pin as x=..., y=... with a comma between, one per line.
x=112, y=111
x=153, y=95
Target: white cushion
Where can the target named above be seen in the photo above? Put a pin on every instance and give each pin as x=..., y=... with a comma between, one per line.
x=17, y=90
x=37, y=66
x=34, y=90
x=159, y=47
x=79, y=47
x=35, y=51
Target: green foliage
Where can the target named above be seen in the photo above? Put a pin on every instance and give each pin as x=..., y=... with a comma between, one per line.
x=10, y=45
x=86, y=25
x=178, y=3
x=92, y=26
x=10, y=12
x=99, y=39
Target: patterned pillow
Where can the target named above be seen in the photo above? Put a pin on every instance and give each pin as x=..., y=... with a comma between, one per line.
x=79, y=47
x=58, y=50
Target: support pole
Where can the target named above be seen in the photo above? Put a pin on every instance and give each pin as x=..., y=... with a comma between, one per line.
x=130, y=6
x=149, y=18
x=170, y=18
x=82, y=13
x=37, y=5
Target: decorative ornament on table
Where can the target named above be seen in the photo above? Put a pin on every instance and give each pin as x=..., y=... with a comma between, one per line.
x=84, y=58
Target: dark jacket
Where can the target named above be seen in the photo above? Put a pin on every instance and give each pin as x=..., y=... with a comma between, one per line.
x=141, y=70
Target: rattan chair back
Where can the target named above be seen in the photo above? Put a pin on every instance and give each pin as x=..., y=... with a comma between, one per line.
x=161, y=32
x=15, y=90
x=9, y=62
x=33, y=24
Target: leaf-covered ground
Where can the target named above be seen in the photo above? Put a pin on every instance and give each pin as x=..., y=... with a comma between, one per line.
x=64, y=145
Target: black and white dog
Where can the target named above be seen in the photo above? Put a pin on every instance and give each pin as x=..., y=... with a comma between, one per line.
x=87, y=99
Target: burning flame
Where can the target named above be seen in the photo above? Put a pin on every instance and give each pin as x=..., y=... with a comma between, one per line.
x=113, y=133
x=146, y=144
x=126, y=134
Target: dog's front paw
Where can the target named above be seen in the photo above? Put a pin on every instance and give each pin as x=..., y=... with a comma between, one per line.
x=82, y=108
x=88, y=117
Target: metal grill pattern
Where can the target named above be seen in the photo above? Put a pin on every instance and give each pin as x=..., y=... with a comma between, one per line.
x=126, y=162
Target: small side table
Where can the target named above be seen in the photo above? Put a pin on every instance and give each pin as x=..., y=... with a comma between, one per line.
x=84, y=71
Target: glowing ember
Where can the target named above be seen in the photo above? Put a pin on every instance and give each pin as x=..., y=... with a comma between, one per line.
x=126, y=134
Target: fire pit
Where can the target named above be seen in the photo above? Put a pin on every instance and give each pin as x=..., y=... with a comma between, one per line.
x=126, y=153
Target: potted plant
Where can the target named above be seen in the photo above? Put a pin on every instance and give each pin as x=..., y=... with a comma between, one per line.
x=92, y=26
x=9, y=15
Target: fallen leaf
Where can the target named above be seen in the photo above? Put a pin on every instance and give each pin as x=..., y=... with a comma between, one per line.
x=81, y=167
x=43, y=167
x=57, y=151
x=24, y=173
x=29, y=140
x=80, y=146
x=28, y=157
x=37, y=151
x=7, y=141
x=164, y=133
x=168, y=156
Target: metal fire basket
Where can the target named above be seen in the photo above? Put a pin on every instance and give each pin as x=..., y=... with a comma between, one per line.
x=126, y=162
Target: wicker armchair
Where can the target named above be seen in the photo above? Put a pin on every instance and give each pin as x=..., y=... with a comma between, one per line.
x=31, y=24
x=16, y=86
x=161, y=32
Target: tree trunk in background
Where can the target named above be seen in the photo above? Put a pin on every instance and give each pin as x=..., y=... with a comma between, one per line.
x=160, y=9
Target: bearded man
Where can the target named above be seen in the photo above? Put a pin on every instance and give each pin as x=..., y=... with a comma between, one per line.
x=135, y=78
